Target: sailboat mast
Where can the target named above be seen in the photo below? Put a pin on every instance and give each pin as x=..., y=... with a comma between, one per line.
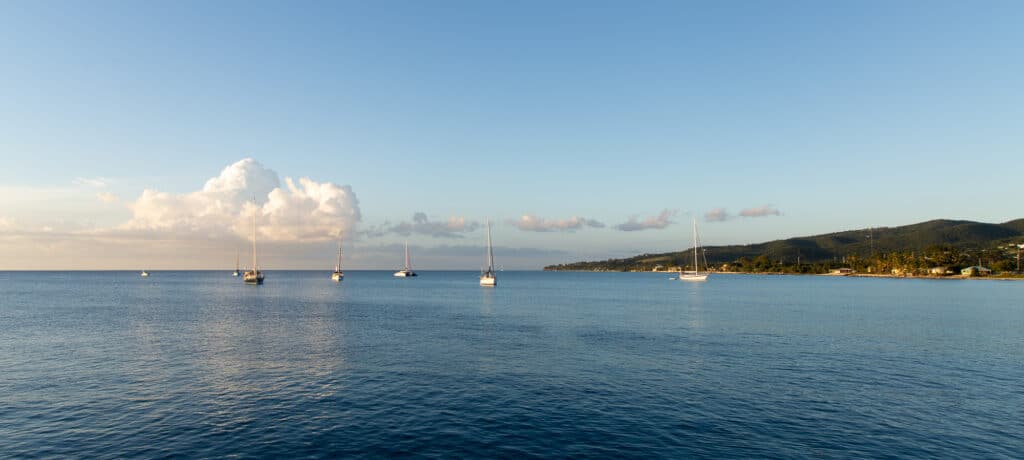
x=254, y=268
x=490, y=251
x=406, y=255
x=696, y=267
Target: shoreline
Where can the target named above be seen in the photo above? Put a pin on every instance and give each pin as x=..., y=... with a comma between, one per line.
x=851, y=275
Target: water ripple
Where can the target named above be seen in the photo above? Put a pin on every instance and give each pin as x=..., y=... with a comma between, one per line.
x=105, y=365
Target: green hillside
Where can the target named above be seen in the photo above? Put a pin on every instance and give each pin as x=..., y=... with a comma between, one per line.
x=952, y=243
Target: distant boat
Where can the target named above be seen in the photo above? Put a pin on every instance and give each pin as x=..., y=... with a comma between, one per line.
x=487, y=278
x=144, y=274
x=236, y=272
x=254, y=276
x=407, y=271
x=338, y=275
x=696, y=274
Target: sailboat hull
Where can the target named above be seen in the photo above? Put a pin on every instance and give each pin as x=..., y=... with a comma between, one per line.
x=337, y=277
x=404, y=274
x=488, y=281
x=692, y=277
x=253, y=278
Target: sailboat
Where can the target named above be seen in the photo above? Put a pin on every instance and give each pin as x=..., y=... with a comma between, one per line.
x=236, y=272
x=254, y=276
x=696, y=274
x=338, y=275
x=144, y=274
x=407, y=271
x=487, y=278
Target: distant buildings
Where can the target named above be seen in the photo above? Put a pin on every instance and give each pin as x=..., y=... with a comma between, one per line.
x=842, y=271
x=976, y=270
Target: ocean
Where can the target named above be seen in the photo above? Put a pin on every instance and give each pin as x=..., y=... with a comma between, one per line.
x=548, y=364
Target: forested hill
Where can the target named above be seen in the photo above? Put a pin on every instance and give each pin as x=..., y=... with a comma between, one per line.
x=953, y=242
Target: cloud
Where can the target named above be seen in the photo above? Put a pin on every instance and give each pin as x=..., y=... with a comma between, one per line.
x=454, y=227
x=107, y=197
x=463, y=251
x=717, y=215
x=96, y=182
x=306, y=210
x=530, y=223
x=721, y=215
x=760, y=211
x=655, y=222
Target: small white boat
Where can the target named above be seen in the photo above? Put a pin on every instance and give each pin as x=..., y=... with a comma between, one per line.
x=144, y=274
x=487, y=277
x=407, y=271
x=236, y=272
x=338, y=275
x=696, y=274
x=254, y=276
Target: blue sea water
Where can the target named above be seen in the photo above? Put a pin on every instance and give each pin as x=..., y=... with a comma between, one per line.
x=197, y=364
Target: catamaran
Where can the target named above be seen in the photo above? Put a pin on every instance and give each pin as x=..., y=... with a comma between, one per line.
x=696, y=274
x=407, y=271
x=338, y=275
x=254, y=276
x=487, y=278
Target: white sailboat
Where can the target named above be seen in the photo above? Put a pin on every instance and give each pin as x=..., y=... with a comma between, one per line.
x=236, y=272
x=407, y=271
x=487, y=278
x=338, y=275
x=696, y=274
x=144, y=274
x=254, y=276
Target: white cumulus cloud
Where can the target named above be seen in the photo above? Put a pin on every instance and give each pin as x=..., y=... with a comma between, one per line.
x=531, y=223
x=307, y=210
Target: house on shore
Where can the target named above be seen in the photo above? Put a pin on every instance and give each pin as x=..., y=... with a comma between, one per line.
x=976, y=270
x=902, y=272
x=842, y=271
x=940, y=271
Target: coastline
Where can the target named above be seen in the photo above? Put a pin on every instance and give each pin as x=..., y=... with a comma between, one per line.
x=849, y=275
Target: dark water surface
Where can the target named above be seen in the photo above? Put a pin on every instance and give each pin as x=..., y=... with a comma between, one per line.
x=197, y=364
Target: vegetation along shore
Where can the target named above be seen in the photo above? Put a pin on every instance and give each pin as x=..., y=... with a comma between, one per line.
x=938, y=248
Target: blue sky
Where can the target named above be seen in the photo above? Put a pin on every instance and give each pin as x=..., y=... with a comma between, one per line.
x=838, y=116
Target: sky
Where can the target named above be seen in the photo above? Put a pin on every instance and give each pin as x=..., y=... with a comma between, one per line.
x=137, y=134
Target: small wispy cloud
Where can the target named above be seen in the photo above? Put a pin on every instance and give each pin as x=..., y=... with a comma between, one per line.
x=760, y=211
x=654, y=222
x=529, y=223
x=454, y=227
x=95, y=182
x=107, y=197
x=722, y=215
x=717, y=215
